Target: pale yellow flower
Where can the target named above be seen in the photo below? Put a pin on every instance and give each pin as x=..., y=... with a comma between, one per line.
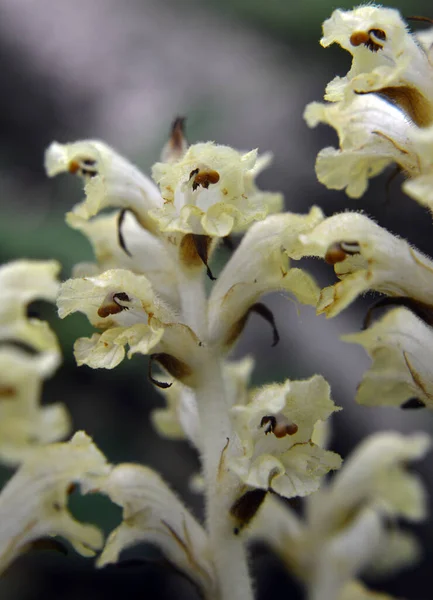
x=387, y=58
x=346, y=528
x=258, y=266
x=400, y=346
x=153, y=513
x=367, y=257
x=33, y=504
x=110, y=180
x=22, y=282
x=142, y=252
x=29, y=354
x=275, y=430
x=125, y=307
x=211, y=191
x=24, y=423
x=355, y=590
x=372, y=134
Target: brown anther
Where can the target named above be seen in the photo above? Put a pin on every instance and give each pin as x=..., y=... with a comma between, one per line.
x=359, y=37
x=86, y=167
x=71, y=488
x=338, y=251
x=203, y=177
x=335, y=254
x=283, y=429
x=112, y=307
x=368, y=39
x=7, y=391
x=280, y=426
x=73, y=167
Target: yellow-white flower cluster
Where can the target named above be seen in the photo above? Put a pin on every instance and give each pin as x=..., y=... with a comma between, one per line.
x=29, y=354
x=382, y=111
x=351, y=525
x=145, y=292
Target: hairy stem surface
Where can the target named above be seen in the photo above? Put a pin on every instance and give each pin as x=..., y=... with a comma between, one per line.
x=218, y=442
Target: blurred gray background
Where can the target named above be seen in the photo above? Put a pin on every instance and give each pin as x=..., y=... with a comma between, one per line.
x=241, y=71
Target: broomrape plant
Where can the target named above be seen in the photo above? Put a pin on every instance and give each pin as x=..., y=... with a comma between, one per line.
x=145, y=294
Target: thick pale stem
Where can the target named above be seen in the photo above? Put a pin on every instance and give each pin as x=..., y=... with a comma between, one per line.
x=221, y=487
x=194, y=305
x=217, y=440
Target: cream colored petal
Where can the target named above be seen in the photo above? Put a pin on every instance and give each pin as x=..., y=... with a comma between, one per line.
x=374, y=259
x=372, y=134
x=275, y=431
x=22, y=282
x=33, y=503
x=350, y=170
x=24, y=423
x=321, y=434
x=399, y=550
x=304, y=466
x=355, y=590
x=385, y=57
x=400, y=346
x=211, y=191
x=110, y=179
x=420, y=188
x=259, y=266
x=346, y=555
x=115, y=297
x=376, y=473
x=179, y=419
x=153, y=513
x=107, y=350
x=425, y=39
x=29, y=280
x=146, y=253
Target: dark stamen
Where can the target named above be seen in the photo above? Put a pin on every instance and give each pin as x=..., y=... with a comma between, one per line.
x=228, y=243
x=246, y=507
x=177, y=133
x=201, y=243
x=19, y=345
x=161, y=384
x=413, y=404
x=120, y=237
x=421, y=310
x=267, y=314
x=47, y=543
x=122, y=296
x=419, y=18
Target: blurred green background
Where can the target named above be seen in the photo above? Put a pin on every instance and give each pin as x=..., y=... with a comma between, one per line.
x=121, y=70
